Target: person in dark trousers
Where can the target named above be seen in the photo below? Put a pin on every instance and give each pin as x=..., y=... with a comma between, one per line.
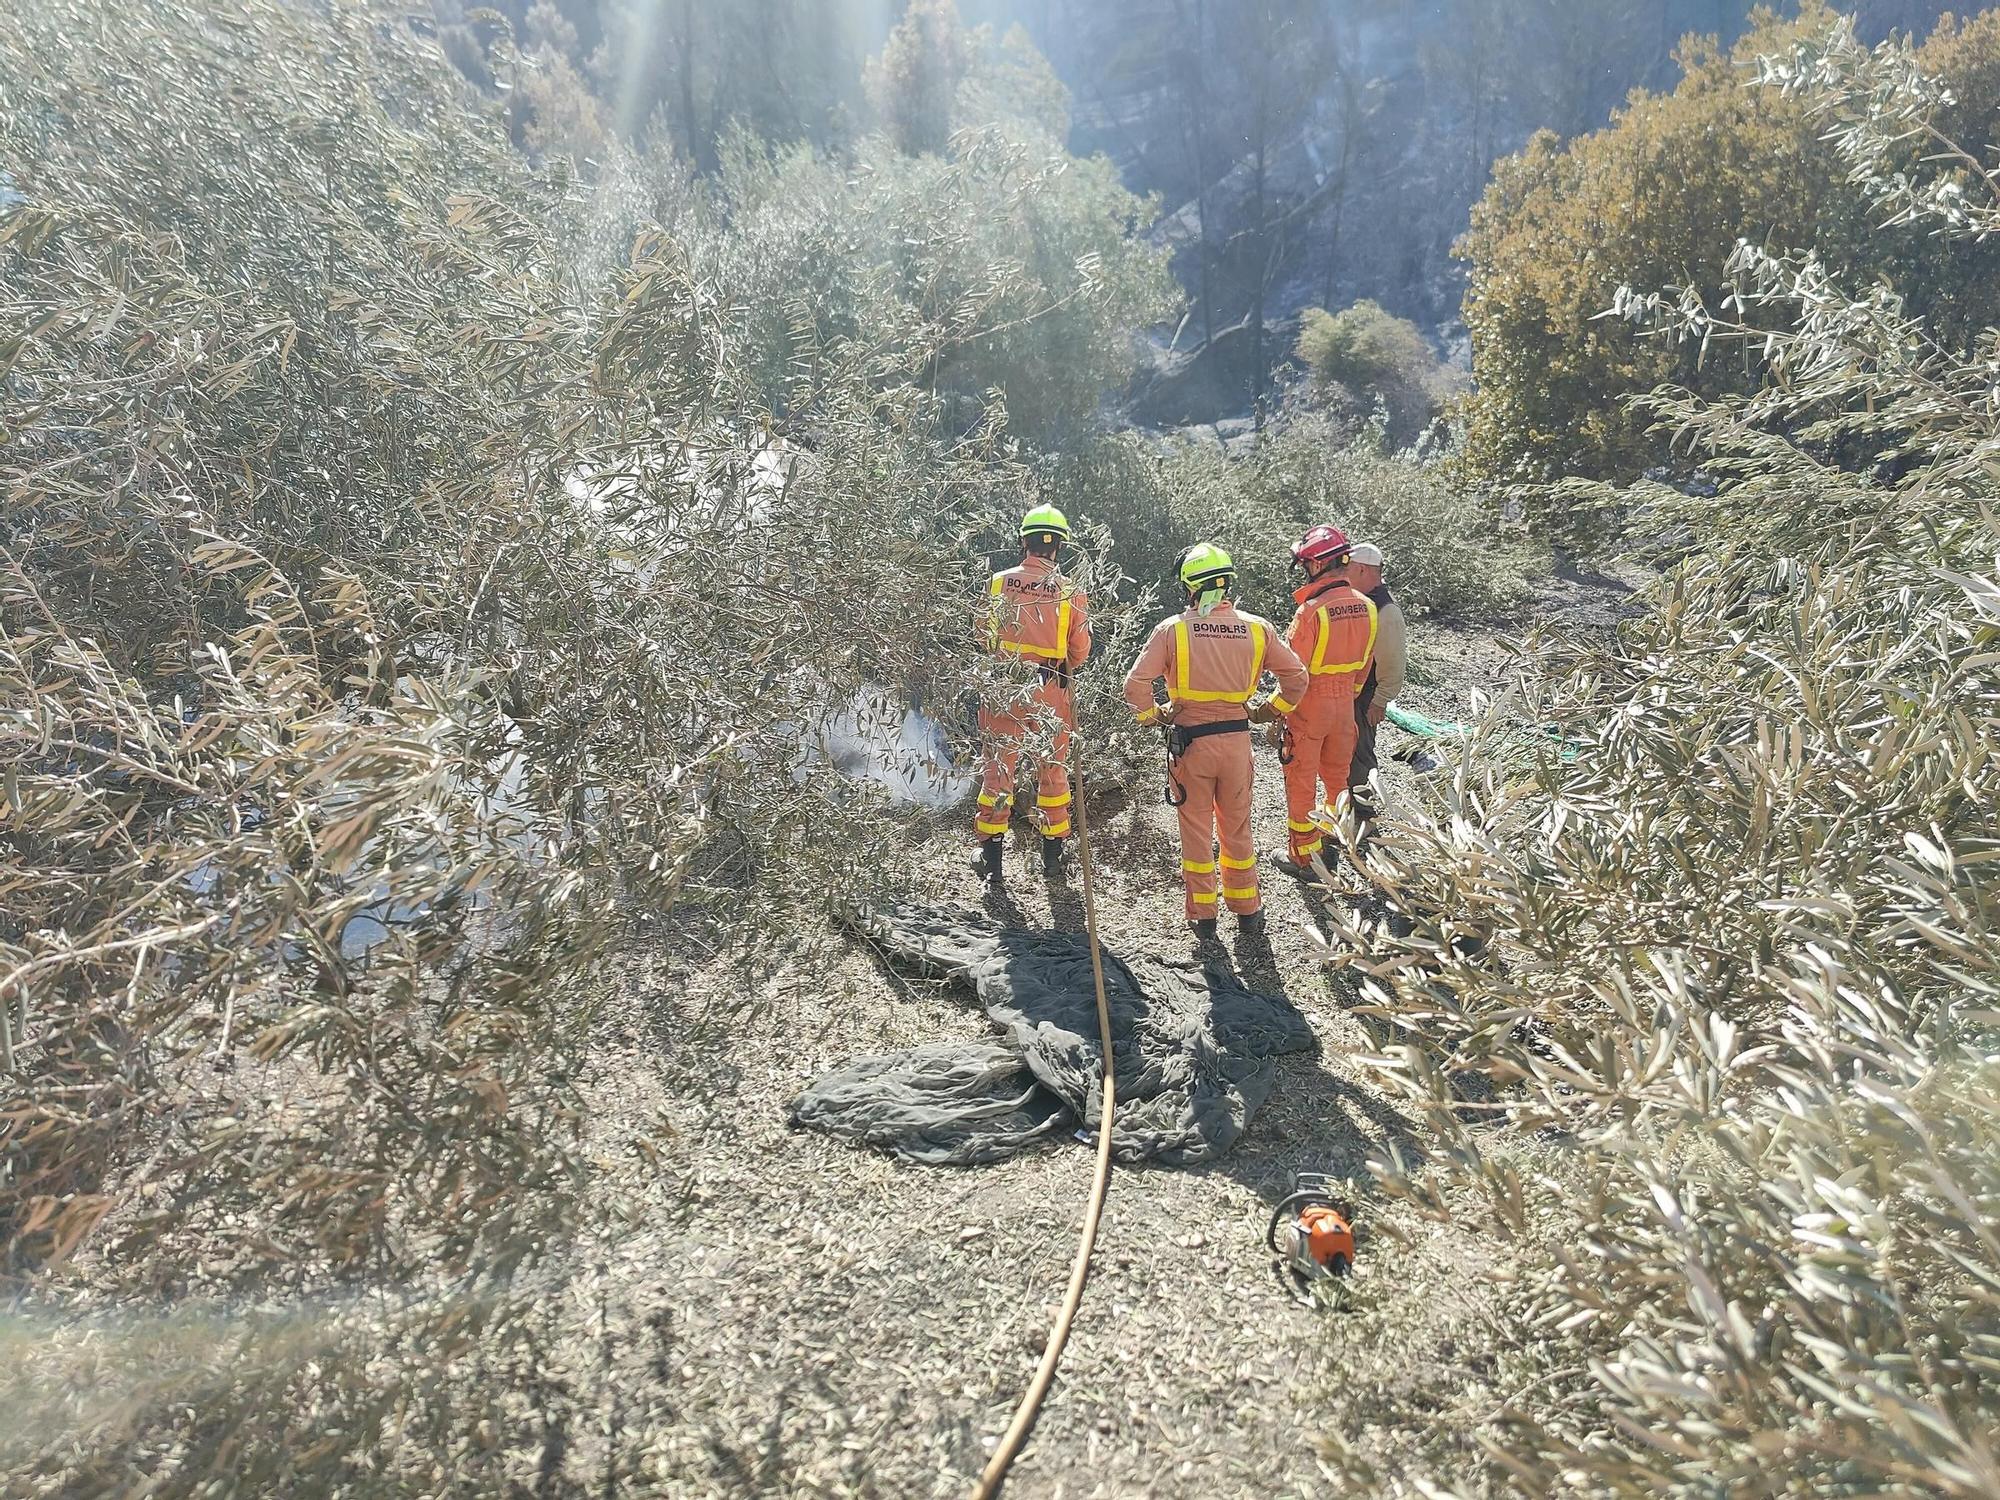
x=1385, y=674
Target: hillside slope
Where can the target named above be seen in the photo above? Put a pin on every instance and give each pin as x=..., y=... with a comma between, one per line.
x=817, y=1319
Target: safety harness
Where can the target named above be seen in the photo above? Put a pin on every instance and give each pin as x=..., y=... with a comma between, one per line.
x=1180, y=737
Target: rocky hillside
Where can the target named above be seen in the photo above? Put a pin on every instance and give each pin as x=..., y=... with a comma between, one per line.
x=1303, y=152
x=1314, y=152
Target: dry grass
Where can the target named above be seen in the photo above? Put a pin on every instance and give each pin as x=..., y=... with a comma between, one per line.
x=391, y=549
x=1736, y=955
x=1691, y=1181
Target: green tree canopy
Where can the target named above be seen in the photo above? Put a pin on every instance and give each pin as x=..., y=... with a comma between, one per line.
x=1371, y=353
x=887, y=249
x=914, y=83
x=400, y=537
x=1661, y=198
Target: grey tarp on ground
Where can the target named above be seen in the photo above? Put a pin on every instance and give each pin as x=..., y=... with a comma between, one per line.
x=1194, y=1050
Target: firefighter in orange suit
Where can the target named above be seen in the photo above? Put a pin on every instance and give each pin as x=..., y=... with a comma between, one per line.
x=1039, y=622
x=1333, y=633
x=1211, y=657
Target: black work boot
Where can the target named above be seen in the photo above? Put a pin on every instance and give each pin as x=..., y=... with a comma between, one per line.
x=1055, y=860
x=986, y=864
x=1251, y=924
x=1294, y=868
x=1204, y=929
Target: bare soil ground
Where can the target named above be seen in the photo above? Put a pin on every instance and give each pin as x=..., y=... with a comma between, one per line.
x=826, y=1321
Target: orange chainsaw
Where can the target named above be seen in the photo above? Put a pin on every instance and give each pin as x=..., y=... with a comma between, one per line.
x=1311, y=1233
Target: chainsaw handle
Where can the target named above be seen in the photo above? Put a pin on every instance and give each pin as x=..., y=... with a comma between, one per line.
x=1291, y=1201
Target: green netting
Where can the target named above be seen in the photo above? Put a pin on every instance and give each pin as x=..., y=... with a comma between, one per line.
x=1411, y=722
x=1424, y=727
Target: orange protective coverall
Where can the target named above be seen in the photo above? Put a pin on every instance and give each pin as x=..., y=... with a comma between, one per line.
x=1333, y=633
x=1211, y=664
x=1036, y=617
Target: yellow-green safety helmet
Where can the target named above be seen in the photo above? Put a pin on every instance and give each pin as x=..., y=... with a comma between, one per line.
x=1045, y=524
x=1205, y=566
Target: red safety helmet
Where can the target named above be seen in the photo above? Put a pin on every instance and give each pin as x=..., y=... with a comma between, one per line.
x=1323, y=544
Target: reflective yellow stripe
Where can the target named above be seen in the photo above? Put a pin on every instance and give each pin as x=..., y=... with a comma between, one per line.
x=1056, y=830
x=1062, y=801
x=991, y=799
x=1301, y=827
x=1238, y=864
x=1321, y=667
x=1195, y=869
x=1021, y=648
x=990, y=828
x=1018, y=648
x=1179, y=690
x=993, y=612
x=1239, y=895
x=1282, y=706
x=1202, y=898
x=1149, y=715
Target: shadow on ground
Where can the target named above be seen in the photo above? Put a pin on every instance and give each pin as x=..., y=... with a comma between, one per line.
x=1314, y=1120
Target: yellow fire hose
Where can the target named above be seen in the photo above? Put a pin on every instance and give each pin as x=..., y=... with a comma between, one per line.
x=1003, y=1458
